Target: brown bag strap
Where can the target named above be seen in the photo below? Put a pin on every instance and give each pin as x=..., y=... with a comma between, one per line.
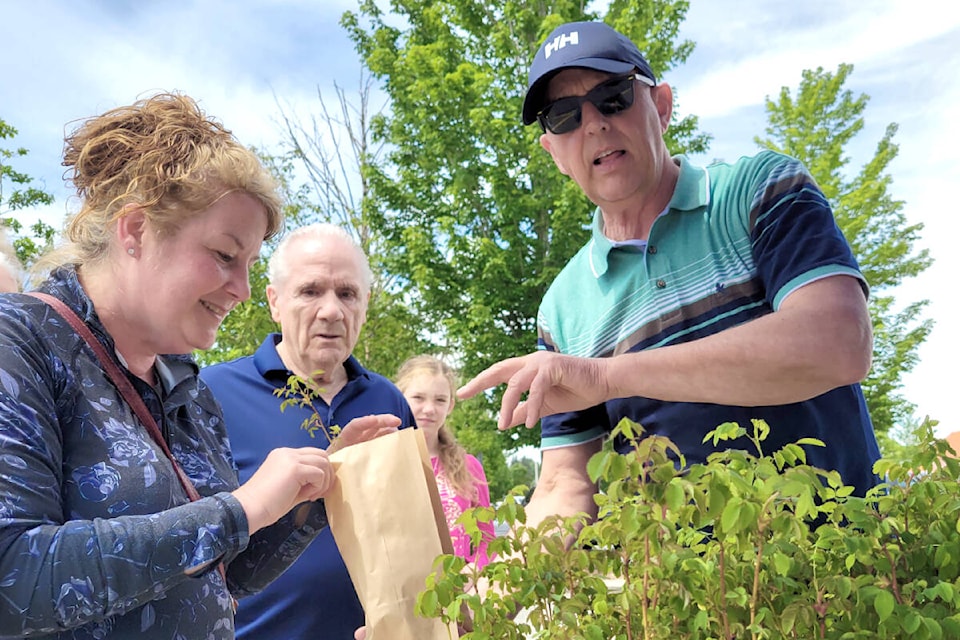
x=122, y=383
x=129, y=394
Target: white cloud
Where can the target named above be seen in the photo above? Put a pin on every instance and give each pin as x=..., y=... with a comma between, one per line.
x=79, y=59
x=777, y=57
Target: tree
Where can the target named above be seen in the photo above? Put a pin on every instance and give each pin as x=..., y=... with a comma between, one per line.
x=477, y=222
x=523, y=471
x=815, y=125
x=17, y=193
x=334, y=151
x=338, y=153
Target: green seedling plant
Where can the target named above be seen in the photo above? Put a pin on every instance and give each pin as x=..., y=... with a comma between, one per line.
x=300, y=392
x=747, y=545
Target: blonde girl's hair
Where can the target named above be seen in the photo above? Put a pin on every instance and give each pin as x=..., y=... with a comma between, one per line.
x=452, y=454
x=163, y=154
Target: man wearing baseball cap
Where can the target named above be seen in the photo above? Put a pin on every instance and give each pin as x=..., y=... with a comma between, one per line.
x=705, y=295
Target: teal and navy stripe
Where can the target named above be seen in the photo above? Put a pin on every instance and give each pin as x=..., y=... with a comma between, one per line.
x=735, y=241
x=722, y=256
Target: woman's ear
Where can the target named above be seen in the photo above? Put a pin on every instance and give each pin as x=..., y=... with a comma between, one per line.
x=131, y=227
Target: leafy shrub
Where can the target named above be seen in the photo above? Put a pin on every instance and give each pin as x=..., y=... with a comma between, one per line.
x=744, y=546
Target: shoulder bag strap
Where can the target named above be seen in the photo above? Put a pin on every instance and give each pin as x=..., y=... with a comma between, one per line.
x=122, y=383
x=130, y=395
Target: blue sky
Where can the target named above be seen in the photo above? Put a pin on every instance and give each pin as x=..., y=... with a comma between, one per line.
x=70, y=59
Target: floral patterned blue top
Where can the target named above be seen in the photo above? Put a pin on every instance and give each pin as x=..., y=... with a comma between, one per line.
x=97, y=537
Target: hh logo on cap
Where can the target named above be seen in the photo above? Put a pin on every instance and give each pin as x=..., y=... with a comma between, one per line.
x=560, y=42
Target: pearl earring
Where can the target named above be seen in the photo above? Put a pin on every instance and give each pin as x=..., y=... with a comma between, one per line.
x=131, y=251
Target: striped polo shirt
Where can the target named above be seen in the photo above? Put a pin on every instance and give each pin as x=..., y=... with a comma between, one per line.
x=735, y=241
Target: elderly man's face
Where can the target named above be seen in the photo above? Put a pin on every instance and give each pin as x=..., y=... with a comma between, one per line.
x=321, y=305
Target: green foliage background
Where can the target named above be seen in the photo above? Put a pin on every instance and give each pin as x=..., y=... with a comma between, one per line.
x=18, y=193
x=477, y=221
x=467, y=221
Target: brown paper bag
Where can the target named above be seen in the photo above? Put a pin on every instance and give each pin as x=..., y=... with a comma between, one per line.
x=387, y=520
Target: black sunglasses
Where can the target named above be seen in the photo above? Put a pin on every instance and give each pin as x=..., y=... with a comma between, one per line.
x=609, y=97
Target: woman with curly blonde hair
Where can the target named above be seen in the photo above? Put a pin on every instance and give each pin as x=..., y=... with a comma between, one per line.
x=430, y=385
x=120, y=510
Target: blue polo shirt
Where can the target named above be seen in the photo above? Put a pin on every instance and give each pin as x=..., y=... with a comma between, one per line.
x=734, y=242
x=314, y=599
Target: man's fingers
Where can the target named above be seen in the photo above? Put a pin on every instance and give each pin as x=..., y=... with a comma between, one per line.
x=388, y=420
x=520, y=375
x=534, y=406
x=512, y=400
x=518, y=416
x=490, y=377
x=316, y=477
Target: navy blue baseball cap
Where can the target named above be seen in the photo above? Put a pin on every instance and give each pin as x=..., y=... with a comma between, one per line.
x=591, y=45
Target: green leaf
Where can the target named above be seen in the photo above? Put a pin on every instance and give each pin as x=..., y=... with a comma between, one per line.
x=673, y=495
x=747, y=520
x=933, y=628
x=782, y=563
x=911, y=621
x=427, y=603
x=595, y=465
x=883, y=604
x=593, y=632
x=788, y=618
x=731, y=516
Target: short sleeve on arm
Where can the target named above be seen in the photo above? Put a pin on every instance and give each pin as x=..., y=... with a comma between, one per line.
x=573, y=428
x=794, y=235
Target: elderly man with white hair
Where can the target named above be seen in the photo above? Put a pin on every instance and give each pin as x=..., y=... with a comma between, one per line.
x=319, y=287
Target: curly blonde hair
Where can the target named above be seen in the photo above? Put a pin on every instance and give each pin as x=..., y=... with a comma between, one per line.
x=452, y=454
x=163, y=154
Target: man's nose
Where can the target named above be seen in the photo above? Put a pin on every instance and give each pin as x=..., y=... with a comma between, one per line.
x=329, y=306
x=591, y=118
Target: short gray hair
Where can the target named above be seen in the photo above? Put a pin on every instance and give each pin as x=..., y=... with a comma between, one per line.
x=277, y=267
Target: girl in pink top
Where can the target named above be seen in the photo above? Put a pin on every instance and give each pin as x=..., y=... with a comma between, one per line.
x=429, y=385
